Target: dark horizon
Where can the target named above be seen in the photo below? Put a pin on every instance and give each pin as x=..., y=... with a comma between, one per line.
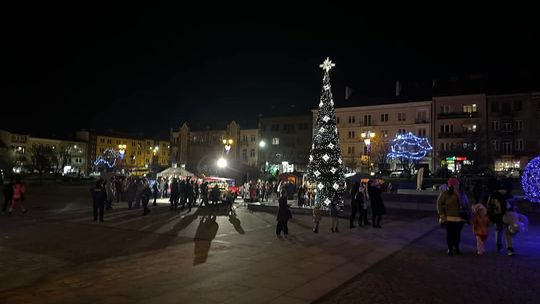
x=153, y=71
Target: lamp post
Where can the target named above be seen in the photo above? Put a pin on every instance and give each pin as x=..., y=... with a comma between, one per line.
x=367, y=137
x=262, y=146
x=155, y=150
x=122, y=149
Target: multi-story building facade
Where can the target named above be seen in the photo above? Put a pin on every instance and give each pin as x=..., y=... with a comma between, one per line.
x=385, y=121
x=248, y=145
x=199, y=150
x=16, y=149
x=287, y=142
x=69, y=156
x=513, y=128
x=460, y=131
x=141, y=155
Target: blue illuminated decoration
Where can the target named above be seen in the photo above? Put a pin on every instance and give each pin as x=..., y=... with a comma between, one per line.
x=530, y=180
x=108, y=158
x=409, y=146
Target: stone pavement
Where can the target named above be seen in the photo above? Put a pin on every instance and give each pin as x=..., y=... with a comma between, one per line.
x=57, y=255
x=423, y=273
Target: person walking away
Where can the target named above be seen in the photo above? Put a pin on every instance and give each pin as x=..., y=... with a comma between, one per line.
x=480, y=225
x=183, y=193
x=145, y=196
x=109, y=187
x=166, y=187
x=214, y=195
x=130, y=192
x=118, y=186
x=334, y=213
x=449, y=204
x=377, y=205
x=18, y=196
x=8, y=196
x=363, y=204
x=316, y=218
x=283, y=215
x=99, y=197
x=515, y=223
x=155, y=192
x=301, y=196
x=204, y=194
x=190, y=194
x=354, y=204
x=174, y=194
x=497, y=208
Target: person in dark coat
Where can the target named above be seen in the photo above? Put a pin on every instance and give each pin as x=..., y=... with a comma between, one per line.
x=145, y=196
x=155, y=191
x=175, y=194
x=99, y=197
x=301, y=196
x=355, y=204
x=8, y=195
x=377, y=205
x=283, y=215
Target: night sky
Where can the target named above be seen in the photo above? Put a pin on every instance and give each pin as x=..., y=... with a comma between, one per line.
x=149, y=69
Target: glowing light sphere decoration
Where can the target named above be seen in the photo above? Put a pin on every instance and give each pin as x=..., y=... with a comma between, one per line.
x=530, y=180
x=409, y=146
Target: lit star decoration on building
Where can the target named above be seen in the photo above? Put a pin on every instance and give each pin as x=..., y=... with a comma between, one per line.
x=530, y=180
x=325, y=168
x=409, y=146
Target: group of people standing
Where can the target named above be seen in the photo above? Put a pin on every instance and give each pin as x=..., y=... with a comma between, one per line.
x=364, y=196
x=494, y=207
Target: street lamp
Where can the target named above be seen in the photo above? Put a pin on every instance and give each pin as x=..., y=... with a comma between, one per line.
x=222, y=163
x=228, y=143
x=122, y=150
x=367, y=137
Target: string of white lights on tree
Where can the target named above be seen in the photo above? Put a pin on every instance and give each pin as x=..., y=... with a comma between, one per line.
x=108, y=158
x=325, y=167
x=409, y=146
x=530, y=180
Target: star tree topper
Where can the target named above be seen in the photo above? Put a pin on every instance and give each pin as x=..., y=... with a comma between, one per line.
x=327, y=65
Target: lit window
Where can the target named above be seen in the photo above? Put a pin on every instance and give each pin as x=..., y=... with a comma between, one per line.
x=275, y=141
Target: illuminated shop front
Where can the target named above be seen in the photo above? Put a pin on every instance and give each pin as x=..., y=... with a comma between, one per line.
x=455, y=163
x=504, y=164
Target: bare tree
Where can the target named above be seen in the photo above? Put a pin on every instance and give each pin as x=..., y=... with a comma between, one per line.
x=42, y=158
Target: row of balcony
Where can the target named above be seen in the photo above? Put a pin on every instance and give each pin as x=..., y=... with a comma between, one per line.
x=458, y=135
x=451, y=115
x=385, y=123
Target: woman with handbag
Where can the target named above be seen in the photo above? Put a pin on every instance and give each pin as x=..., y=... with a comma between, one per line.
x=453, y=211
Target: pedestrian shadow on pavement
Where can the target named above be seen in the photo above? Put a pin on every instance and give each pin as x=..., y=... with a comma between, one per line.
x=206, y=232
x=236, y=223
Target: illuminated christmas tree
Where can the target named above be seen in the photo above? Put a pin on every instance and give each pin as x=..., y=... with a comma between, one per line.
x=325, y=168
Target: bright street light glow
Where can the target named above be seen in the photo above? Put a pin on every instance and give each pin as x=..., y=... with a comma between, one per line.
x=222, y=163
x=262, y=144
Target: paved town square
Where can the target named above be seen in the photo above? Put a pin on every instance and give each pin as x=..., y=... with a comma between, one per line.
x=55, y=253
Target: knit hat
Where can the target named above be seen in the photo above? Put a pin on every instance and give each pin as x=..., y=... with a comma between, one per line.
x=453, y=182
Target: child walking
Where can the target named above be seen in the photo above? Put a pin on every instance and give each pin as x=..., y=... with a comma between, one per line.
x=334, y=214
x=316, y=218
x=480, y=224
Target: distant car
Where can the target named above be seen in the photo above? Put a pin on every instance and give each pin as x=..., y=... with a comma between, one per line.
x=397, y=173
x=514, y=173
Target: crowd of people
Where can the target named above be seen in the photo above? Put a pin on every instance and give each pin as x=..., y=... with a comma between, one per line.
x=490, y=205
x=139, y=191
